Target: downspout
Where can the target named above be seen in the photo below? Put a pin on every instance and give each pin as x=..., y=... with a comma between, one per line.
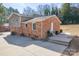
x=41, y=28
x=20, y=21
x=21, y=25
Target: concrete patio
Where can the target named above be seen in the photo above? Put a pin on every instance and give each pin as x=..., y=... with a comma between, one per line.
x=24, y=46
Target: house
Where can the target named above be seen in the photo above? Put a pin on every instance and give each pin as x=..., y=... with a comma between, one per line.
x=15, y=20
x=4, y=27
x=36, y=28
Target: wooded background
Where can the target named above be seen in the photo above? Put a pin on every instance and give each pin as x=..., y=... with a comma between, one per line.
x=68, y=12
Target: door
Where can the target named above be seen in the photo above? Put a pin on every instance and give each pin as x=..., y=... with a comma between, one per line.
x=51, y=29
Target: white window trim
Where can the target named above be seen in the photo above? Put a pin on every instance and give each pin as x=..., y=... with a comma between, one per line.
x=32, y=26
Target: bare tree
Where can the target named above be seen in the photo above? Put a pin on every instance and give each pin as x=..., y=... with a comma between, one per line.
x=40, y=10
x=28, y=11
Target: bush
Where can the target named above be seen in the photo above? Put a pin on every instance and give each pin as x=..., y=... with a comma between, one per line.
x=61, y=30
x=49, y=33
x=56, y=32
x=33, y=38
x=22, y=34
x=13, y=33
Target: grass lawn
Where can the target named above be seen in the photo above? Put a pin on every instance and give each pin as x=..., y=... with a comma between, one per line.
x=73, y=29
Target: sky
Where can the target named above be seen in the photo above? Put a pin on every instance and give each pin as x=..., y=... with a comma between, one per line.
x=21, y=6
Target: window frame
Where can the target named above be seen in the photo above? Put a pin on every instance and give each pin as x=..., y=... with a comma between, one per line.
x=26, y=25
x=33, y=26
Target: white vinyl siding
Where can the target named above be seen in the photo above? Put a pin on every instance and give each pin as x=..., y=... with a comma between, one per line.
x=15, y=21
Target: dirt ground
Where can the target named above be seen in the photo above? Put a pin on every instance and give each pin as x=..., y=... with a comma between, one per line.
x=73, y=29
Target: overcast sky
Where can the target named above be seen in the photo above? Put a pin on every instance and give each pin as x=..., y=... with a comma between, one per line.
x=21, y=6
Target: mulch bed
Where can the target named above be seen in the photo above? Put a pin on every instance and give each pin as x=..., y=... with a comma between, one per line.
x=73, y=46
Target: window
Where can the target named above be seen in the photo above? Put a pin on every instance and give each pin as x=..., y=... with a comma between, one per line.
x=26, y=25
x=34, y=26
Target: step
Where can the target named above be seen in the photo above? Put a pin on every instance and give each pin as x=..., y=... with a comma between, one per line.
x=59, y=42
x=62, y=39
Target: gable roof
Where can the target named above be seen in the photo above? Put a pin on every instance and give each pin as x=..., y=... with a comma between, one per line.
x=38, y=19
x=14, y=14
x=17, y=15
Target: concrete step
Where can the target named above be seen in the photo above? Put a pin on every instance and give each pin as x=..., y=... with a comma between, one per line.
x=59, y=42
x=62, y=39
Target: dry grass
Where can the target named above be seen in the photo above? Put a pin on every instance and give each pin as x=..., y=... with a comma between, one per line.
x=73, y=29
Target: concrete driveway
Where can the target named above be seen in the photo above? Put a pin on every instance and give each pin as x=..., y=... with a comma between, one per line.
x=24, y=46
